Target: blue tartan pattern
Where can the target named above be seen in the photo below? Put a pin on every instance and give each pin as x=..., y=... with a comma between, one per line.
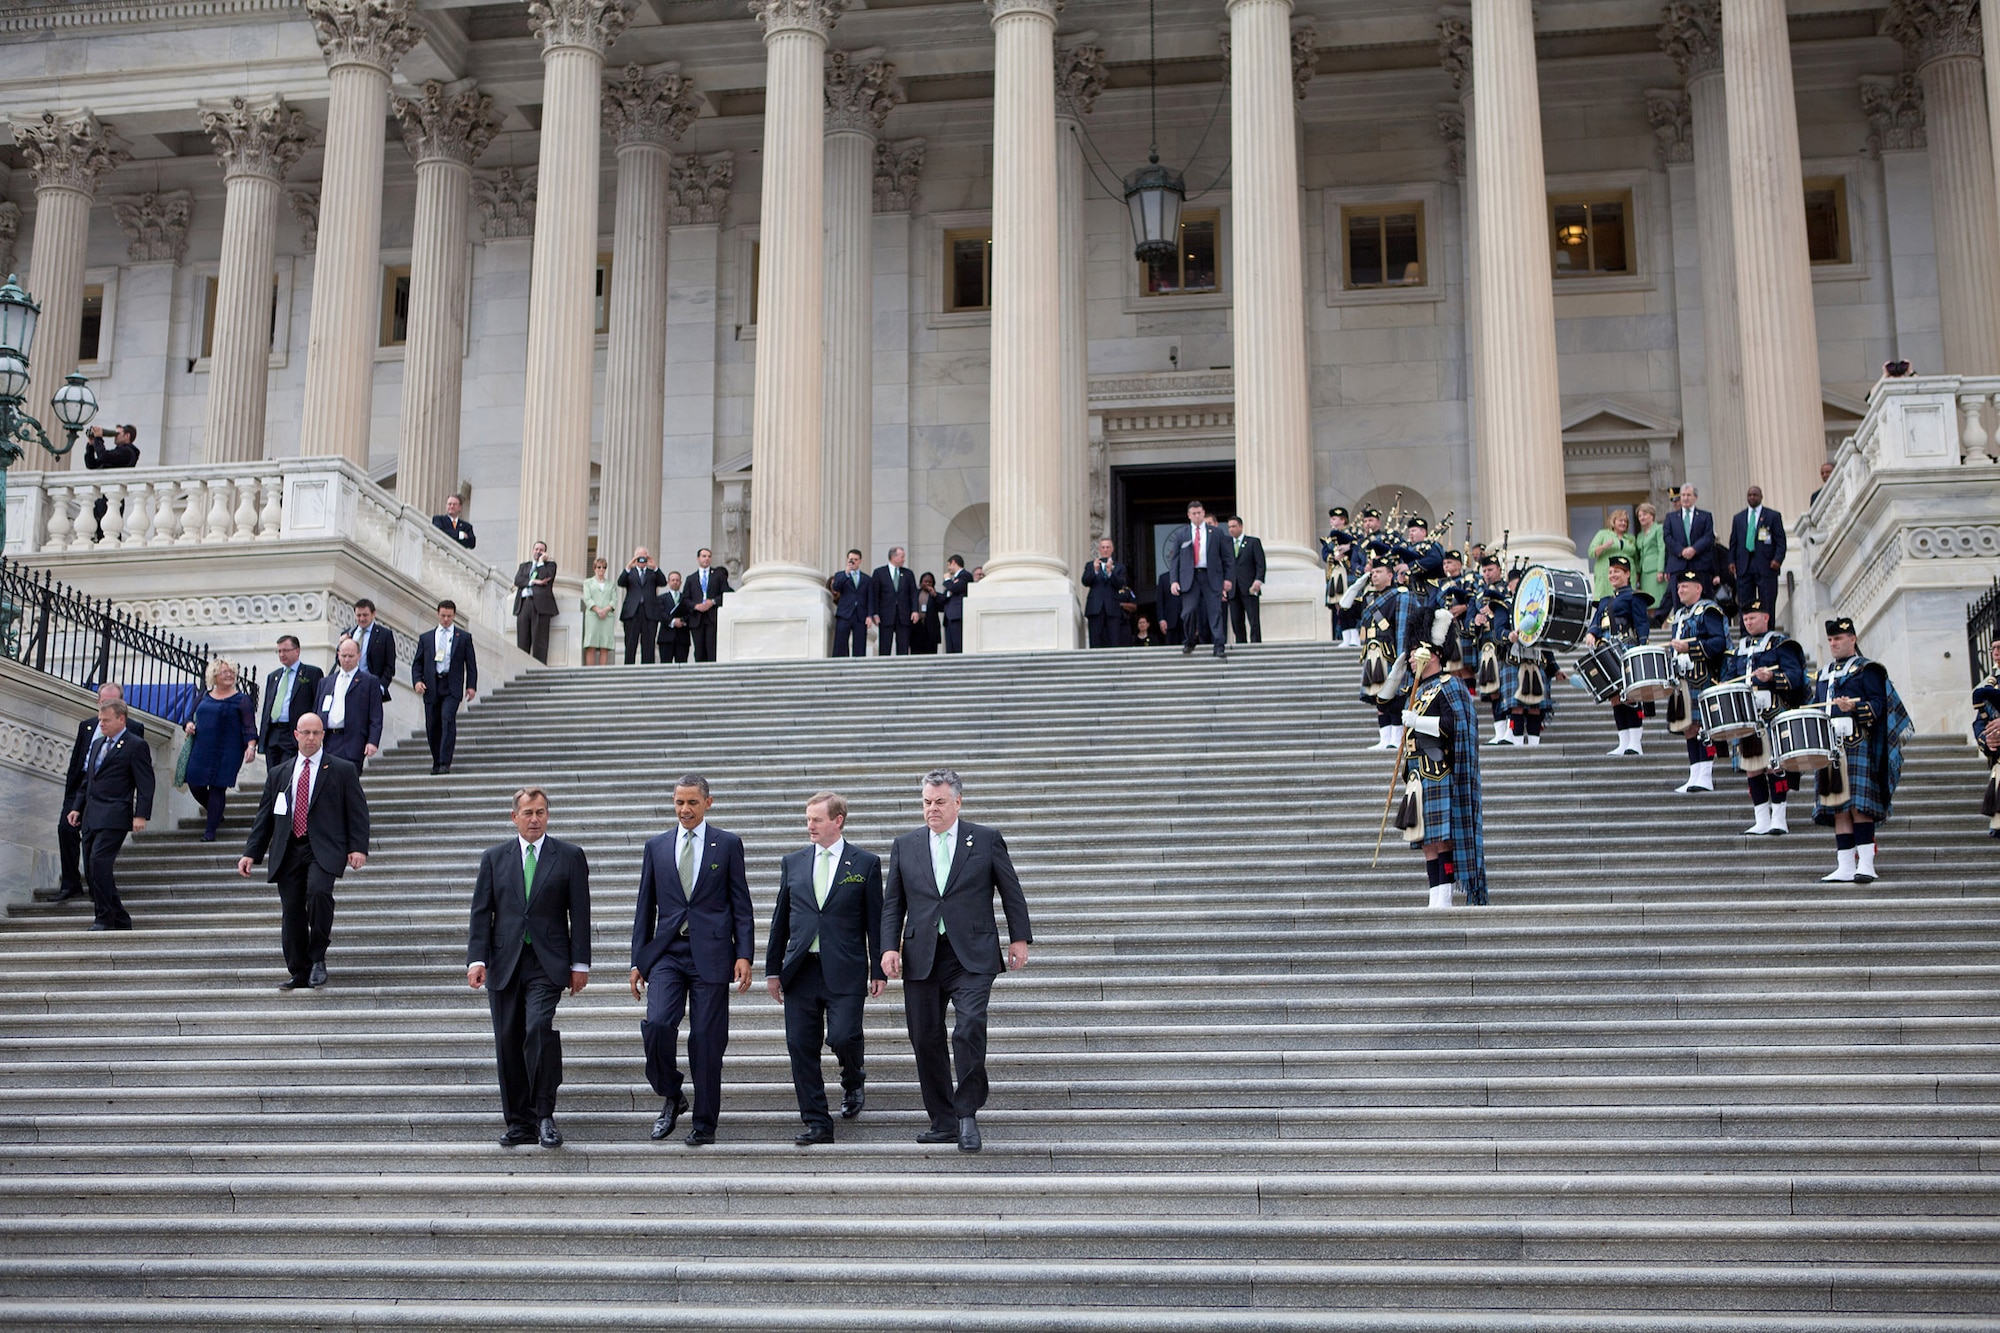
x=1451, y=803
x=1396, y=605
x=1437, y=809
x=1875, y=762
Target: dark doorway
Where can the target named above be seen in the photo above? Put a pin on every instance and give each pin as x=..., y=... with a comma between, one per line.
x=1150, y=498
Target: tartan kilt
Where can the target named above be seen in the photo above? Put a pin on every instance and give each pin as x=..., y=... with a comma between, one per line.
x=1865, y=773
x=1437, y=808
x=1510, y=680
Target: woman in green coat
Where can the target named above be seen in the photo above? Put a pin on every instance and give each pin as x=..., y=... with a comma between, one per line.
x=1649, y=567
x=1615, y=538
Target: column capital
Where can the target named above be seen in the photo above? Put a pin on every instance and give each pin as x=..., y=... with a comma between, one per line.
x=1455, y=49
x=70, y=150
x=376, y=33
x=256, y=136
x=1691, y=35
x=698, y=188
x=1041, y=9
x=897, y=168
x=1895, y=107
x=814, y=17
x=1934, y=29
x=506, y=200
x=447, y=122
x=1080, y=77
x=1451, y=128
x=861, y=89
x=649, y=104
x=305, y=207
x=591, y=25
x=1672, y=118
x=155, y=224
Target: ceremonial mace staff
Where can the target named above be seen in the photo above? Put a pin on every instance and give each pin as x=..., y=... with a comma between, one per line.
x=1419, y=657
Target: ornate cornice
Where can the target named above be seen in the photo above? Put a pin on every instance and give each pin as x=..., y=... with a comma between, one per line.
x=1455, y=48
x=897, y=168
x=591, y=24
x=1895, y=107
x=1691, y=35
x=816, y=17
x=305, y=207
x=261, y=137
x=1080, y=76
x=376, y=33
x=506, y=200
x=155, y=224
x=1305, y=55
x=70, y=150
x=1934, y=29
x=1451, y=128
x=653, y=108
x=33, y=749
x=39, y=15
x=1672, y=119
x=698, y=188
x=861, y=90
x=449, y=122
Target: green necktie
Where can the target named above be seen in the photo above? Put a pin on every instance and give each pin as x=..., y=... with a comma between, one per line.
x=528, y=884
x=823, y=875
x=1239, y=546
x=941, y=866
x=284, y=691
x=687, y=865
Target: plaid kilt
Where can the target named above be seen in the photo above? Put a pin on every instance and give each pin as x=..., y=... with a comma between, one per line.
x=1437, y=808
x=1874, y=767
x=1510, y=680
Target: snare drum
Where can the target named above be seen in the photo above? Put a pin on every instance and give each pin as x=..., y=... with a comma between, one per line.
x=1728, y=711
x=1602, y=671
x=1645, y=674
x=1802, y=740
x=1551, y=607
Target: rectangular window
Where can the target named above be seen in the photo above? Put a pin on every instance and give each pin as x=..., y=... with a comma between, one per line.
x=603, y=306
x=1826, y=221
x=208, y=290
x=395, y=305
x=1385, y=246
x=968, y=269
x=1591, y=234
x=90, y=336
x=1193, y=267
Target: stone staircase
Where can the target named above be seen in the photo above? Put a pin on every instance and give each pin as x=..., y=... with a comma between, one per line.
x=1247, y=1082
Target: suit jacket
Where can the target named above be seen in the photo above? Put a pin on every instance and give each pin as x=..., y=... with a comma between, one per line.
x=1245, y=566
x=952, y=593
x=642, y=593
x=80, y=752
x=716, y=910
x=98, y=454
x=121, y=789
x=528, y=587
x=912, y=905
x=893, y=601
x=1772, y=522
x=554, y=921
x=1219, y=559
x=458, y=530
x=1698, y=532
x=378, y=658
x=336, y=820
x=460, y=674
x=305, y=689
x=1102, y=599
x=851, y=595
x=363, y=720
x=673, y=606
x=849, y=927
x=718, y=588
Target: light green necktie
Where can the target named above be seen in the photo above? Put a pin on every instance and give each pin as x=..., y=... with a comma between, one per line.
x=284, y=693
x=528, y=884
x=687, y=865
x=822, y=883
x=941, y=866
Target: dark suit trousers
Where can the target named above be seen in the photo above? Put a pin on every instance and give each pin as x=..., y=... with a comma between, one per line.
x=283, y=745
x=640, y=636
x=1763, y=581
x=674, y=989
x=100, y=856
x=923, y=1007
x=1201, y=610
x=531, y=632
x=305, y=910
x=1244, y=609
x=814, y=1015
x=702, y=634
x=526, y=1046
x=441, y=721
x=673, y=643
x=69, y=847
x=1104, y=630
x=954, y=636
x=893, y=630
x=850, y=637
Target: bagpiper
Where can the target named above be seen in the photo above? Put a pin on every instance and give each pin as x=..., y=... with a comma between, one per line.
x=1441, y=806
x=1869, y=723
x=1986, y=734
x=1775, y=666
x=1493, y=677
x=1700, y=635
x=1334, y=549
x=1532, y=701
x=1421, y=558
x=1388, y=631
x=1621, y=619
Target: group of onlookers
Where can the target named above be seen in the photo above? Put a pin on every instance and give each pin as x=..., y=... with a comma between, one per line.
x=665, y=615
x=1738, y=573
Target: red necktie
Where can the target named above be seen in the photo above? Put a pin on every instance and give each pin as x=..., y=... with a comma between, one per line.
x=1198, y=561
x=300, y=798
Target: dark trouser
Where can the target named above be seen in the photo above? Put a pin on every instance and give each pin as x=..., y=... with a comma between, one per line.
x=1104, y=631
x=69, y=848
x=954, y=636
x=923, y=1005
x=702, y=632
x=211, y=800
x=1246, y=609
x=639, y=637
x=1626, y=718
x=441, y=722
x=1201, y=611
x=814, y=1015
x=281, y=744
x=675, y=988
x=526, y=1046
x=896, y=630
x=850, y=637
x=305, y=907
x=100, y=856
x=531, y=632
x=673, y=643
x=1764, y=583
x=340, y=749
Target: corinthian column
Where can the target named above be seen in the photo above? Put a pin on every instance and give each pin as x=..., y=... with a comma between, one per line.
x=1784, y=434
x=362, y=41
x=1025, y=601
x=257, y=143
x=1079, y=79
x=1941, y=38
x=861, y=88
x=1692, y=35
x=446, y=129
x=1459, y=126
x=782, y=609
x=68, y=152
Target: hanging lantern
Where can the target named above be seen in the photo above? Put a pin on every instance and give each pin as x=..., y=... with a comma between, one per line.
x=1154, y=194
x=18, y=313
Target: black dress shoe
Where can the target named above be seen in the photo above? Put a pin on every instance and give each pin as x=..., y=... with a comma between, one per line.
x=551, y=1137
x=436, y=769
x=1187, y=649
x=1222, y=652
x=851, y=1104
x=968, y=1135
x=291, y=983
x=318, y=977
x=68, y=894
x=937, y=1135
x=674, y=1110
x=814, y=1134
x=699, y=1138
x=99, y=925
x=445, y=769
x=517, y=1136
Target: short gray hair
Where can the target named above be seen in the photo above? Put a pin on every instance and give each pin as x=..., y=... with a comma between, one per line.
x=695, y=780
x=944, y=777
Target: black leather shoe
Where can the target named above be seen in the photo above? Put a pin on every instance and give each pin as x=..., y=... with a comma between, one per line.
x=671, y=1113
x=1187, y=650
x=68, y=894
x=968, y=1135
x=936, y=1135
x=291, y=983
x=814, y=1134
x=551, y=1136
x=99, y=925
x=445, y=769
x=517, y=1136
x=318, y=977
x=699, y=1138
x=1222, y=652
x=851, y=1104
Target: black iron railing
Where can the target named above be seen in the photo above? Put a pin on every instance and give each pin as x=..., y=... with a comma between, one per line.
x=1982, y=619
x=89, y=642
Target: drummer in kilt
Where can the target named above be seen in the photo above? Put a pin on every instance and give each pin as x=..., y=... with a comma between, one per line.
x=1493, y=671
x=1853, y=794
x=1986, y=732
x=1700, y=634
x=1531, y=703
x=1441, y=807
x=1389, y=629
x=1622, y=619
x=1775, y=666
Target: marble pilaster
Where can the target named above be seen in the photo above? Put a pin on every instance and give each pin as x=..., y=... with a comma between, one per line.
x=1080, y=77
x=1455, y=54
x=698, y=195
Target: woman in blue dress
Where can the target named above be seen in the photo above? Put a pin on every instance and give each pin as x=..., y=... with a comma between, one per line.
x=223, y=738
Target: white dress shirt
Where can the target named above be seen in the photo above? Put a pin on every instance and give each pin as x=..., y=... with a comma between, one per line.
x=523, y=846
x=336, y=715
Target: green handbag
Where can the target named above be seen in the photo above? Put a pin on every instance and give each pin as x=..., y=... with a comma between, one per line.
x=181, y=763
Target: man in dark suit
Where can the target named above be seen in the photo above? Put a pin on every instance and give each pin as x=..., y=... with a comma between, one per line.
x=454, y=527
x=377, y=643
x=114, y=799
x=314, y=801
x=937, y=928
x=640, y=613
x=529, y=945
x=705, y=589
x=824, y=960
x=1246, y=577
x=691, y=937
x=446, y=674
x=674, y=632
x=350, y=705
x=952, y=594
x=1690, y=541
x=1200, y=568
x=1105, y=577
x=69, y=837
x=289, y=693
x=535, y=602
x=1756, y=551
x=892, y=605
x=850, y=588
x=1168, y=605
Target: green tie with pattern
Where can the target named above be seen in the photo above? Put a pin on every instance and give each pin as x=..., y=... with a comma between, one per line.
x=822, y=884
x=528, y=884
x=941, y=866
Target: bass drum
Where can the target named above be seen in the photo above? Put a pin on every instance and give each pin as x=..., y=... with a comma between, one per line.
x=1602, y=671
x=1802, y=740
x=1551, y=607
x=1646, y=678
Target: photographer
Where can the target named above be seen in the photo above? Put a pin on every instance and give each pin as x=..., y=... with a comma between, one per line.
x=641, y=612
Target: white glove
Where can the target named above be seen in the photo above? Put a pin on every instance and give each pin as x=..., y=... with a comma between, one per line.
x=1422, y=723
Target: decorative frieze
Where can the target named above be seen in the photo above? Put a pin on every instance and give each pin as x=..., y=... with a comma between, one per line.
x=155, y=224
x=649, y=105
x=506, y=200
x=1305, y=55
x=1080, y=76
x=813, y=16
x=377, y=33
x=449, y=122
x=898, y=165
x=1451, y=128
x=1895, y=107
x=1455, y=49
x=1961, y=541
x=861, y=90
x=1672, y=119
x=69, y=150
x=260, y=137
x=698, y=188
x=33, y=749
x=1691, y=35
x=305, y=207
x=10, y=230
x=1934, y=29
x=275, y=608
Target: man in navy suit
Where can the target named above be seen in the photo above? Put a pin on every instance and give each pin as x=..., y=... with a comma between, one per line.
x=691, y=937
x=1200, y=578
x=705, y=589
x=115, y=798
x=1105, y=577
x=850, y=589
x=1246, y=576
x=824, y=960
x=1690, y=541
x=69, y=837
x=350, y=703
x=289, y=693
x=1756, y=551
x=446, y=673
x=937, y=926
x=892, y=605
x=454, y=527
x=377, y=643
x=952, y=594
x=313, y=810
